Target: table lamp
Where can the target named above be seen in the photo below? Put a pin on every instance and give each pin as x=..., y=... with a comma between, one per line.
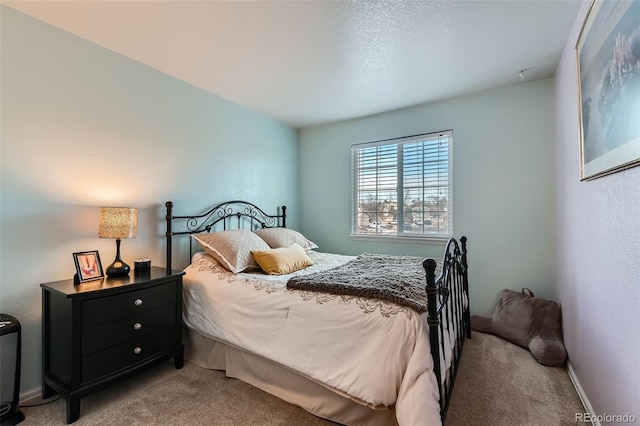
x=118, y=223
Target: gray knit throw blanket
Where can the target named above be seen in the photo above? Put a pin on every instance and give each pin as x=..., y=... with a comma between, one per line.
x=397, y=279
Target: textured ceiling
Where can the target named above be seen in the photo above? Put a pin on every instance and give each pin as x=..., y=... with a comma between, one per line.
x=310, y=62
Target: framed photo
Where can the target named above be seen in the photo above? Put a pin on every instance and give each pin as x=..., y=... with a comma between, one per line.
x=88, y=266
x=608, y=60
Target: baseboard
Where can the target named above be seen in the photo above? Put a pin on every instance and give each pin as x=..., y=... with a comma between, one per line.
x=30, y=396
x=583, y=396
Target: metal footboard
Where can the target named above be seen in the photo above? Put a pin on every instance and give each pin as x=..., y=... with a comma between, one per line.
x=449, y=316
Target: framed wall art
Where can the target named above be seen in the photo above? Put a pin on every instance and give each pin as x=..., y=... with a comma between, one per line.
x=88, y=266
x=608, y=60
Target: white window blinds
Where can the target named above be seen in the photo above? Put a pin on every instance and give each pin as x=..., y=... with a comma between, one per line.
x=402, y=187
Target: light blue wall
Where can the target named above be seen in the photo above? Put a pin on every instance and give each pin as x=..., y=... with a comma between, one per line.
x=598, y=235
x=83, y=127
x=503, y=184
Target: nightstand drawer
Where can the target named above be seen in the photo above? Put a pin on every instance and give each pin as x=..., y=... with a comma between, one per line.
x=107, y=309
x=126, y=355
x=113, y=333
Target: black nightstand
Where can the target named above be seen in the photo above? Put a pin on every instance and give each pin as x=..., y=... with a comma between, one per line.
x=101, y=332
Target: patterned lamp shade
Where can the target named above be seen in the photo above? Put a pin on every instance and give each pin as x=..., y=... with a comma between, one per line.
x=118, y=222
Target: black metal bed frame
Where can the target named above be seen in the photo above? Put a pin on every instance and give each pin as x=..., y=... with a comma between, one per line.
x=221, y=214
x=448, y=294
x=448, y=300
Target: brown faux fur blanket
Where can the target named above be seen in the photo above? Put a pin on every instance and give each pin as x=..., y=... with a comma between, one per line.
x=397, y=279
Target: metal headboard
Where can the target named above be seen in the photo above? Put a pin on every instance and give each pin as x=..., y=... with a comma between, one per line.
x=228, y=215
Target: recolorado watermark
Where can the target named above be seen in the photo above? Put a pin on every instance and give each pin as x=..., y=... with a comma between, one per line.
x=604, y=418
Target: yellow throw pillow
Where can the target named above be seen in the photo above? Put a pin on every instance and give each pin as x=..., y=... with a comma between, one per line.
x=283, y=260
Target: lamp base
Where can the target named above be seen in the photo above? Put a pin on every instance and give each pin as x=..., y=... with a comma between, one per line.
x=118, y=269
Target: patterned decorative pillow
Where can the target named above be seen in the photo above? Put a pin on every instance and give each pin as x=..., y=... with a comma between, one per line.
x=232, y=248
x=282, y=260
x=284, y=237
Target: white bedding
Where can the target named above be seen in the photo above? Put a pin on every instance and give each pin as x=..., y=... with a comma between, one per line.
x=373, y=352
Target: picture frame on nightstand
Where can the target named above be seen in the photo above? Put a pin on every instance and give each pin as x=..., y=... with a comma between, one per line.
x=88, y=266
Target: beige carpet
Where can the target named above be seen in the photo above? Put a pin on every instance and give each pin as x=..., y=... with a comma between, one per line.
x=498, y=384
x=501, y=384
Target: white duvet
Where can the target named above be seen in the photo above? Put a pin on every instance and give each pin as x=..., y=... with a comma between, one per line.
x=374, y=352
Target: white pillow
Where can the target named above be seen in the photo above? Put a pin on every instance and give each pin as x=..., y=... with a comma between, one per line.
x=232, y=248
x=284, y=237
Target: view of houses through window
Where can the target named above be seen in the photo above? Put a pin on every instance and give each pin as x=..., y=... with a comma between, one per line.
x=402, y=187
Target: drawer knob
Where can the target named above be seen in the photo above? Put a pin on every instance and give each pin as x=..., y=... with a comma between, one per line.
x=137, y=326
x=137, y=350
x=138, y=302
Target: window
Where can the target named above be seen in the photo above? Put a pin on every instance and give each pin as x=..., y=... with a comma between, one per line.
x=402, y=187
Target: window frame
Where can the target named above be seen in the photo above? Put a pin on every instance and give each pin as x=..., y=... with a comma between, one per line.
x=400, y=234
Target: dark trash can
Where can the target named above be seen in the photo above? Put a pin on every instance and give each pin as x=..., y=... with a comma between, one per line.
x=10, y=341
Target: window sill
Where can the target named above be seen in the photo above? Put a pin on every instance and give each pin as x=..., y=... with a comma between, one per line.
x=440, y=240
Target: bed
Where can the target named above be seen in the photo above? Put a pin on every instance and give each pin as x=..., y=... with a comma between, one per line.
x=376, y=357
